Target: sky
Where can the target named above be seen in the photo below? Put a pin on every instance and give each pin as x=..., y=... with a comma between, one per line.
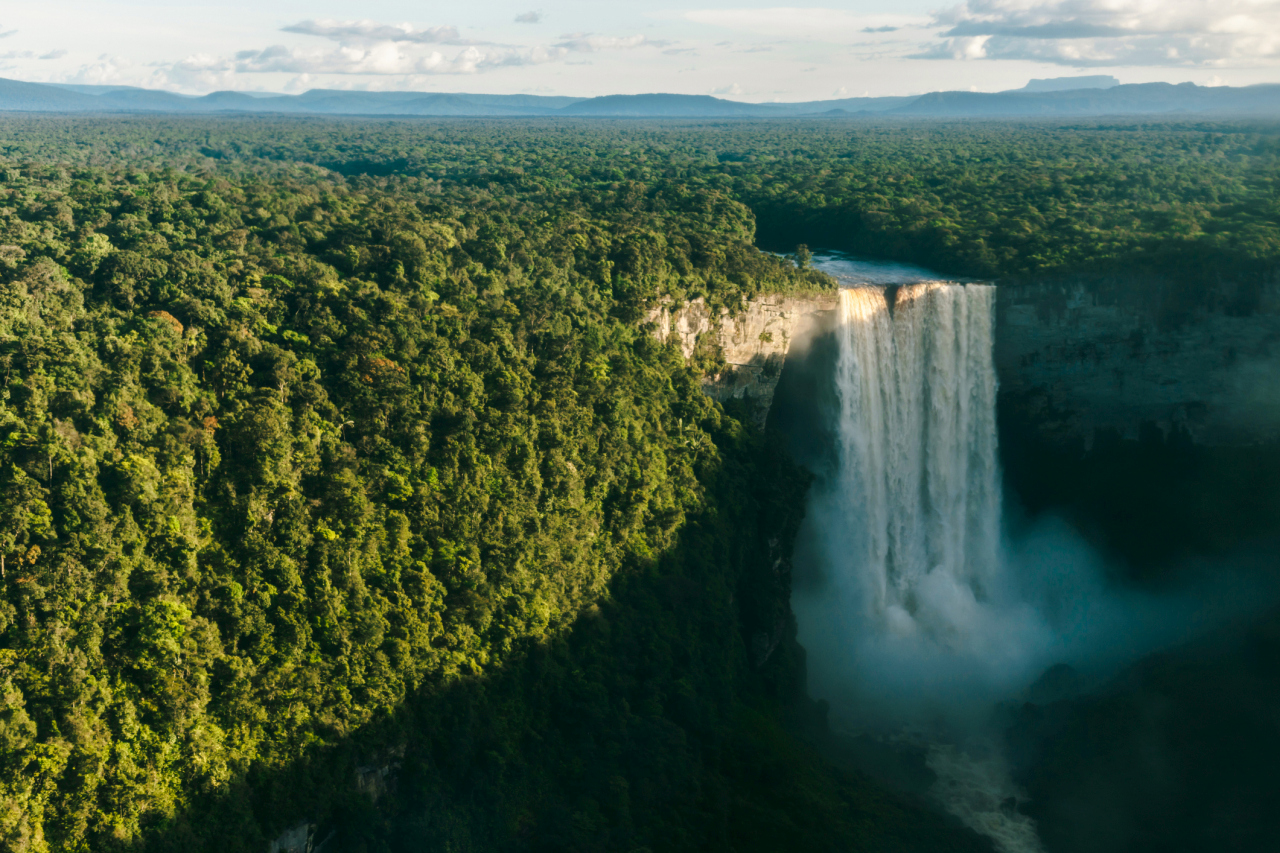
x=739, y=50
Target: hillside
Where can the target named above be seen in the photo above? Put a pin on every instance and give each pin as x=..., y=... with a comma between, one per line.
x=365, y=507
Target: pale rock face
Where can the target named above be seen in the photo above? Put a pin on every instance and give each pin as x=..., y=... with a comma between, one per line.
x=1073, y=357
x=685, y=323
x=754, y=342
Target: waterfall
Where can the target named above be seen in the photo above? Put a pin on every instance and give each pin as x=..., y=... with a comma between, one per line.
x=924, y=630
x=917, y=446
x=917, y=494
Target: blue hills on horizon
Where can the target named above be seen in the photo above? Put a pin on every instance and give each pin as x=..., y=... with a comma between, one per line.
x=1061, y=97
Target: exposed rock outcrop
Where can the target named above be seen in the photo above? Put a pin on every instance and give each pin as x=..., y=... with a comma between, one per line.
x=753, y=342
x=1074, y=357
x=299, y=838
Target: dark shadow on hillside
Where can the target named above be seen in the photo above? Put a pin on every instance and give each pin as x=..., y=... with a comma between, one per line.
x=1175, y=754
x=1152, y=501
x=671, y=716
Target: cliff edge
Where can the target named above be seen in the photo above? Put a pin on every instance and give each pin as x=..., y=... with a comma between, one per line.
x=754, y=342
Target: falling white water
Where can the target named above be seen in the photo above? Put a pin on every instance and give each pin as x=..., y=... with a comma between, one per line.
x=917, y=430
x=919, y=485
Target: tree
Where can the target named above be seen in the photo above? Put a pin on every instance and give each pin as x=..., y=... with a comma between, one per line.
x=803, y=256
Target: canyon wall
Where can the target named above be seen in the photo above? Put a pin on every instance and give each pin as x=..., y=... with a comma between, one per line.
x=1145, y=412
x=1077, y=358
x=753, y=342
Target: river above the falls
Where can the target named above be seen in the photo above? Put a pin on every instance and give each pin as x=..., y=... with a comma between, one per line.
x=852, y=270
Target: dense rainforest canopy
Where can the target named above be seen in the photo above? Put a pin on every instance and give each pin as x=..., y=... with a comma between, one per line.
x=981, y=199
x=342, y=481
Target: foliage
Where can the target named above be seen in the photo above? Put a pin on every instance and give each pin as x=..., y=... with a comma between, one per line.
x=331, y=447
x=1190, y=198
x=295, y=466
x=1193, y=200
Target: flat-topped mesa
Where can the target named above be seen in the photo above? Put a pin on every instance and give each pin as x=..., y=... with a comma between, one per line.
x=754, y=342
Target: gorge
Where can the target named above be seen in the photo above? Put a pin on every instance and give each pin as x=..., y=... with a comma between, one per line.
x=926, y=616
x=487, y=485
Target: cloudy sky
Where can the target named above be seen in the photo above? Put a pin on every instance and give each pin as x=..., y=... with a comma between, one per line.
x=742, y=50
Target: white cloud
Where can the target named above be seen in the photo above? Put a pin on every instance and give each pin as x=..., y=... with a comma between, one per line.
x=381, y=50
x=378, y=59
x=31, y=54
x=819, y=24
x=301, y=83
x=108, y=69
x=588, y=43
x=362, y=32
x=733, y=89
x=1112, y=32
x=964, y=47
x=201, y=72
x=529, y=18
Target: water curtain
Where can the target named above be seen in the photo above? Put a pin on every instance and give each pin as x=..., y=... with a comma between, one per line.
x=917, y=428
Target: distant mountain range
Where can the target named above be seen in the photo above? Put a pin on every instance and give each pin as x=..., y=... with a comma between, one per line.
x=1060, y=84
x=1082, y=96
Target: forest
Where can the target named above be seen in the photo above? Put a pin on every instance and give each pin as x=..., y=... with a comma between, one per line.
x=343, y=482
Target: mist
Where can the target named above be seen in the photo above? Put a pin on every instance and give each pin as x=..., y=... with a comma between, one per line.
x=1057, y=602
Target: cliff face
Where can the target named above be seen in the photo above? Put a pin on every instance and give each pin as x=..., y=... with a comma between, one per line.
x=1149, y=416
x=1077, y=358
x=754, y=343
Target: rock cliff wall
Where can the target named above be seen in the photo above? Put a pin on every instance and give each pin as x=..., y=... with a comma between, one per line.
x=1147, y=414
x=1077, y=358
x=754, y=342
